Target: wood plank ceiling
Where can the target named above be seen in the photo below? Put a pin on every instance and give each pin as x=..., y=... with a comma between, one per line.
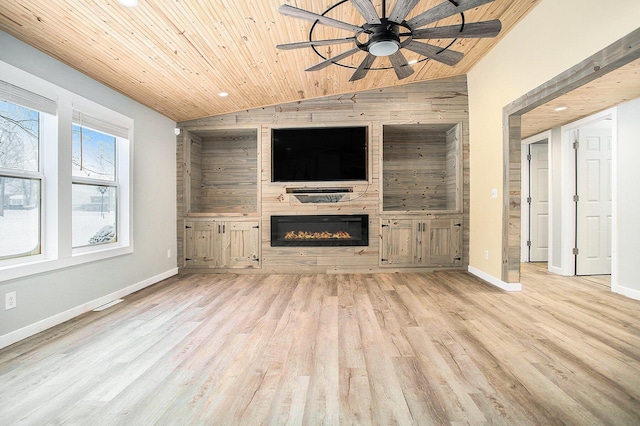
x=617, y=86
x=175, y=56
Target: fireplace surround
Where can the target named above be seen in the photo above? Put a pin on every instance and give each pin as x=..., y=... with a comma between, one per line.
x=319, y=230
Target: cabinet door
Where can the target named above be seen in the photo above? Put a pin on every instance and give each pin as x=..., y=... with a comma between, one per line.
x=423, y=252
x=202, y=243
x=445, y=242
x=243, y=243
x=398, y=242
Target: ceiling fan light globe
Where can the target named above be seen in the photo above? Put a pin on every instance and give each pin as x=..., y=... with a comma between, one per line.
x=384, y=47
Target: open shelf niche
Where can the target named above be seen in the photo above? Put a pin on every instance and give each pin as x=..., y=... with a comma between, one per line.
x=222, y=172
x=421, y=168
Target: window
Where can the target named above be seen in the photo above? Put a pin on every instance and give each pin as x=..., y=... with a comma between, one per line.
x=94, y=188
x=65, y=179
x=20, y=181
x=96, y=182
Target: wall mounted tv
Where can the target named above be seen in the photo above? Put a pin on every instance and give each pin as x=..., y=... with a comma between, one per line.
x=319, y=154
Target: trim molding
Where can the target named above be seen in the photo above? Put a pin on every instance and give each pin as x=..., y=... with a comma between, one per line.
x=35, y=328
x=626, y=291
x=494, y=281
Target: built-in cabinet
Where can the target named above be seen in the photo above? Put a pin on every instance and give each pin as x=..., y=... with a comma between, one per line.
x=416, y=195
x=421, y=242
x=422, y=180
x=222, y=244
x=220, y=181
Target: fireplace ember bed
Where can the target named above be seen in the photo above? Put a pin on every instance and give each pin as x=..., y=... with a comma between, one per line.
x=319, y=230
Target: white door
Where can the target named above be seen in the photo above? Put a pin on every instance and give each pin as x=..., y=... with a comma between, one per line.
x=539, y=193
x=593, y=208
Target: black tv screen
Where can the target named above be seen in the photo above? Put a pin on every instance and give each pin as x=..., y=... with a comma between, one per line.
x=326, y=154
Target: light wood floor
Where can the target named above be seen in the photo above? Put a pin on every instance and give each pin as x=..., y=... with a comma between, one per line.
x=440, y=348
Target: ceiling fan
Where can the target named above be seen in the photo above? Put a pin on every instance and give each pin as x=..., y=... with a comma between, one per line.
x=386, y=35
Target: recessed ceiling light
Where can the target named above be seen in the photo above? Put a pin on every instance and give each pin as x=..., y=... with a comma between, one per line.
x=223, y=94
x=128, y=3
x=562, y=108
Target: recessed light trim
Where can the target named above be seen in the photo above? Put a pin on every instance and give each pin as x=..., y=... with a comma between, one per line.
x=223, y=94
x=128, y=3
x=561, y=108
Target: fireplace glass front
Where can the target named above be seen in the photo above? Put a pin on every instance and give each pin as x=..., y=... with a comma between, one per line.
x=320, y=230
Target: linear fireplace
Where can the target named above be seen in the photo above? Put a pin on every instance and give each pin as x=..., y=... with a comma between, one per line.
x=320, y=230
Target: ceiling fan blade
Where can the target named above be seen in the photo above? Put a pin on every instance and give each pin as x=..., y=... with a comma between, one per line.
x=363, y=69
x=400, y=65
x=443, y=10
x=471, y=30
x=447, y=57
x=367, y=10
x=294, y=12
x=336, y=58
x=300, y=44
x=401, y=10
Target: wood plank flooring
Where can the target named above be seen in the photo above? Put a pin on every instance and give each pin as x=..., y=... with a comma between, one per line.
x=428, y=349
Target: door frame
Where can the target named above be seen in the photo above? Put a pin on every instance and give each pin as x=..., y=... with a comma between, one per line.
x=623, y=51
x=525, y=224
x=568, y=186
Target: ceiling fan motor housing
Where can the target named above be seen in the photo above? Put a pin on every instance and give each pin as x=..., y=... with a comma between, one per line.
x=384, y=40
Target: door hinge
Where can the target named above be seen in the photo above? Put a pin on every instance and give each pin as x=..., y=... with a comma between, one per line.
x=529, y=243
x=576, y=145
x=528, y=157
x=188, y=227
x=576, y=198
x=529, y=200
x=576, y=251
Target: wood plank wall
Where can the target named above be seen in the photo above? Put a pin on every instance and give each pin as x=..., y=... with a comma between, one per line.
x=453, y=177
x=419, y=171
x=229, y=181
x=433, y=102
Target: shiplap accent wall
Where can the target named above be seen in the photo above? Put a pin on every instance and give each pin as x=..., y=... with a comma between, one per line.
x=420, y=167
x=434, y=102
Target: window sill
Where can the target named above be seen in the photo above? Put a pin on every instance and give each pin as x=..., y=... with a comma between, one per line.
x=40, y=265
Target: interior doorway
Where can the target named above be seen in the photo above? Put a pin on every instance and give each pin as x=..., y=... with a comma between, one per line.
x=592, y=143
x=535, y=198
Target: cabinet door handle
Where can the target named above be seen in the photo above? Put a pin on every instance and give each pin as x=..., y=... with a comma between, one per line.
x=223, y=227
x=419, y=226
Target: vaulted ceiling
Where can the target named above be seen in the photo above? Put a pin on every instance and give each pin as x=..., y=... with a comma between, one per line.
x=176, y=56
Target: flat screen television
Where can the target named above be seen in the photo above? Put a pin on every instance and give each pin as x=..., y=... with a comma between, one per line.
x=319, y=154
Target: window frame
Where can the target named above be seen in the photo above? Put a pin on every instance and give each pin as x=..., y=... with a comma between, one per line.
x=120, y=143
x=55, y=167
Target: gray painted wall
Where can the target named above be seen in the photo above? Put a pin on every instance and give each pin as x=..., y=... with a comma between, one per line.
x=628, y=178
x=40, y=297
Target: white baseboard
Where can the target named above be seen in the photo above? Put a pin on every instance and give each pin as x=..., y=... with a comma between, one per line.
x=30, y=330
x=555, y=270
x=494, y=281
x=626, y=291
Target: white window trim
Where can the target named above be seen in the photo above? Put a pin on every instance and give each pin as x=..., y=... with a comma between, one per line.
x=57, y=252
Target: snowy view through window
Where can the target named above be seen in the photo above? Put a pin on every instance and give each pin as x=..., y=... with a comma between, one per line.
x=20, y=181
x=94, y=192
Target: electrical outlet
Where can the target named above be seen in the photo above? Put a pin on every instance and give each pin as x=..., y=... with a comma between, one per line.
x=494, y=193
x=486, y=254
x=169, y=254
x=10, y=300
